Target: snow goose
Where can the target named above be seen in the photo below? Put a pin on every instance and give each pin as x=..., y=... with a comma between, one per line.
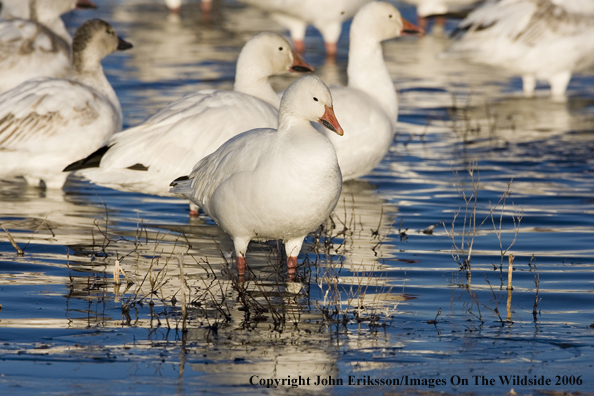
x=46, y=123
x=273, y=183
x=437, y=8
x=14, y=9
x=538, y=39
x=325, y=15
x=367, y=107
x=175, y=6
x=39, y=47
x=147, y=157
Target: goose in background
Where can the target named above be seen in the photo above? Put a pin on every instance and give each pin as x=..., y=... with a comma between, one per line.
x=537, y=39
x=325, y=15
x=273, y=183
x=147, y=157
x=14, y=9
x=39, y=46
x=175, y=6
x=440, y=9
x=368, y=106
x=46, y=123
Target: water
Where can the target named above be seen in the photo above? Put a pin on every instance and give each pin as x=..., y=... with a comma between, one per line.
x=381, y=296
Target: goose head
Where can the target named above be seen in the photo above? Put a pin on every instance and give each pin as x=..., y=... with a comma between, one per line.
x=268, y=54
x=93, y=41
x=308, y=98
x=381, y=21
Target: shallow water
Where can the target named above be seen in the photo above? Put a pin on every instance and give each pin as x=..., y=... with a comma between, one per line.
x=368, y=289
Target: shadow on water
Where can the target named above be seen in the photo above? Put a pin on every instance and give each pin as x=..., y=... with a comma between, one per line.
x=407, y=280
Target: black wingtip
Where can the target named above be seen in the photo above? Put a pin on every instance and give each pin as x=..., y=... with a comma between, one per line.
x=92, y=161
x=179, y=179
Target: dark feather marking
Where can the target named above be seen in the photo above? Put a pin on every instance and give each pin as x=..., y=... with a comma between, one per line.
x=92, y=161
x=138, y=167
x=179, y=179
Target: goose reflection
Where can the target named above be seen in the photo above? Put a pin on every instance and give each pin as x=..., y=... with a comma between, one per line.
x=174, y=47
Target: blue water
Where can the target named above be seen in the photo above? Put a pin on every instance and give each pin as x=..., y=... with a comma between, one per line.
x=379, y=297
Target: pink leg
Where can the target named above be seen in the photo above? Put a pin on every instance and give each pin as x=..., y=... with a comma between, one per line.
x=291, y=267
x=299, y=46
x=241, y=265
x=206, y=8
x=193, y=213
x=331, y=50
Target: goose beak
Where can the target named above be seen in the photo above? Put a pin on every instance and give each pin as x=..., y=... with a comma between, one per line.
x=123, y=45
x=329, y=121
x=299, y=65
x=82, y=4
x=410, y=29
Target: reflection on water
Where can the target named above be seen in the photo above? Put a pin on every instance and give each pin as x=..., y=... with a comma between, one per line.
x=377, y=292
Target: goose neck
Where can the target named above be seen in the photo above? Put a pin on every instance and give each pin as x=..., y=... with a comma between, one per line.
x=257, y=86
x=367, y=72
x=94, y=77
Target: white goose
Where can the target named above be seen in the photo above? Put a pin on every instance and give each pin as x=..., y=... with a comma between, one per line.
x=14, y=9
x=39, y=46
x=439, y=9
x=147, y=157
x=538, y=39
x=368, y=107
x=273, y=183
x=325, y=15
x=47, y=123
x=175, y=6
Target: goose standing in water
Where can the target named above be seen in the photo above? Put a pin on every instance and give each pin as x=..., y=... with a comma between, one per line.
x=46, y=123
x=437, y=8
x=273, y=183
x=147, y=157
x=39, y=46
x=537, y=39
x=325, y=15
x=368, y=106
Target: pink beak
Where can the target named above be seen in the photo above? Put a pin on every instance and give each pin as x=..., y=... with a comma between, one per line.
x=299, y=65
x=329, y=121
x=410, y=29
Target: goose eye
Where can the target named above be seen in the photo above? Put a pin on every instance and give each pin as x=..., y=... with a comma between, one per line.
x=316, y=99
x=280, y=48
x=342, y=13
x=390, y=16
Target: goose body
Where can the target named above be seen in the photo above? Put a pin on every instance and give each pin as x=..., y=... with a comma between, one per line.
x=147, y=157
x=46, y=123
x=273, y=183
x=426, y=8
x=367, y=107
x=36, y=47
x=15, y=9
x=537, y=39
x=325, y=15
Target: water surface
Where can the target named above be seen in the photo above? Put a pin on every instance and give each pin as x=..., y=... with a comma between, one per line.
x=383, y=291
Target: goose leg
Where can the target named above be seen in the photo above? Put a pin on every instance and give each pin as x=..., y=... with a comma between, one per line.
x=528, y=85
x=241, y=245
x=299, y=46
x=193, y=210
x=241, y=266
x=292, y=248
x=559, y=84
x=331, y=50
